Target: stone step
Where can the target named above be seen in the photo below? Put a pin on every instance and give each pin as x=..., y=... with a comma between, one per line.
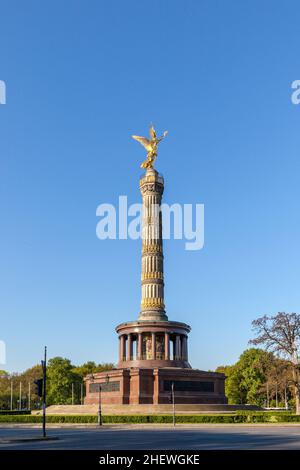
x=144, y=409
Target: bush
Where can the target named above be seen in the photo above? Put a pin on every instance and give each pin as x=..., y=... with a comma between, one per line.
x=258, y=417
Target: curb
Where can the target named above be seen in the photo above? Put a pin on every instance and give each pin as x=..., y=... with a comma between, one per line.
x=128, y=426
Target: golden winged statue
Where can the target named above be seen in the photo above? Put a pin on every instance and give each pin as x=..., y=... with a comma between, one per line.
x=151, y=146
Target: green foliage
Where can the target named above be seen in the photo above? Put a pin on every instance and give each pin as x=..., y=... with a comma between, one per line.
x=240, y=417
x=60, y=376
x=15, y=380
x=91, y=367
x=245, y=379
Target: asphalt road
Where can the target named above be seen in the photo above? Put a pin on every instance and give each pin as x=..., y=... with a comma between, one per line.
x=196, y=438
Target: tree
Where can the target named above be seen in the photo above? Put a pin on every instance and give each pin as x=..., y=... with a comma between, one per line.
x=60, y=376
x=91, y=367
x=276, y=387
x=4, y=390
x=87, y=368
x=232, y=384
x=281, y=334
x=245, y=379
x=12, y=384
x=28, y=377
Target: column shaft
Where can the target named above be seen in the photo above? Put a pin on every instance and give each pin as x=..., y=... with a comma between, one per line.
x=183, y=342
x=185, y=348
x=122, y=348
x=140, y=346
x=129, y=348
x=177, y=348
x=167, y=346
x=153, y=345
x=152, y=302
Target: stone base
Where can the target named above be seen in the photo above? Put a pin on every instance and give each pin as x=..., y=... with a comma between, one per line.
x=128, y=410
x=138, y=386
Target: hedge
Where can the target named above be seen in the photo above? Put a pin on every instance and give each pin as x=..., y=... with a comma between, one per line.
x=14, y=412
x=143, y=419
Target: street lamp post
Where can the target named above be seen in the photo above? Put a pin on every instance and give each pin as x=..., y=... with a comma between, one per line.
x=44, y=368
x=11, y=394
x=20, y=397
x=173, y=402
x=100, y=421
x=99, y=407
x=99, y=401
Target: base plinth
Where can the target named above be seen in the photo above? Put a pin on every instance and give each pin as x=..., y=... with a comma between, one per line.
x=134, y=386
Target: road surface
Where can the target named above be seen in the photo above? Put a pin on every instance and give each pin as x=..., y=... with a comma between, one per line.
x=202, y=437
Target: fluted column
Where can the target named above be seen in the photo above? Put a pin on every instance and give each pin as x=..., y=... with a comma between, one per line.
x=177, y=348
x=153, y=344
x=184, y=348
x=152, y=303
x=122, y=348
x=167, y=346
x=129, y=347
x=140, y=346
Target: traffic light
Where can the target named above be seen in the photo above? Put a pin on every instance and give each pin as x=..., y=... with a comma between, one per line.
x=39, y=387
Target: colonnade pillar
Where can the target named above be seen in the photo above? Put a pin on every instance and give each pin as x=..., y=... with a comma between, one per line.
x=140, y=346
x=129, y=347
x=177, y=347
x=184, y=348
x=180, y=347
x=153, y=343
x=122, y=350
x=167, y=346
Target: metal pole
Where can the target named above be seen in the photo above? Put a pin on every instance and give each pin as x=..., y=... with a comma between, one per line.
x=268, y=399
x=99, y=408
x=29, y=396
x=173, y=402
x=44, y=366
x=81, y=394
x=72, y=394
x=20, y=397
x=11, y=394
x=276, y=396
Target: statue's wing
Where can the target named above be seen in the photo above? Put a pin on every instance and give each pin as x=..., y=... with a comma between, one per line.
x=145, y=142
x=152, y=132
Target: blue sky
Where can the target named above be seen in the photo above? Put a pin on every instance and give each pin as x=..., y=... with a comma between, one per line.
x=81, y=78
